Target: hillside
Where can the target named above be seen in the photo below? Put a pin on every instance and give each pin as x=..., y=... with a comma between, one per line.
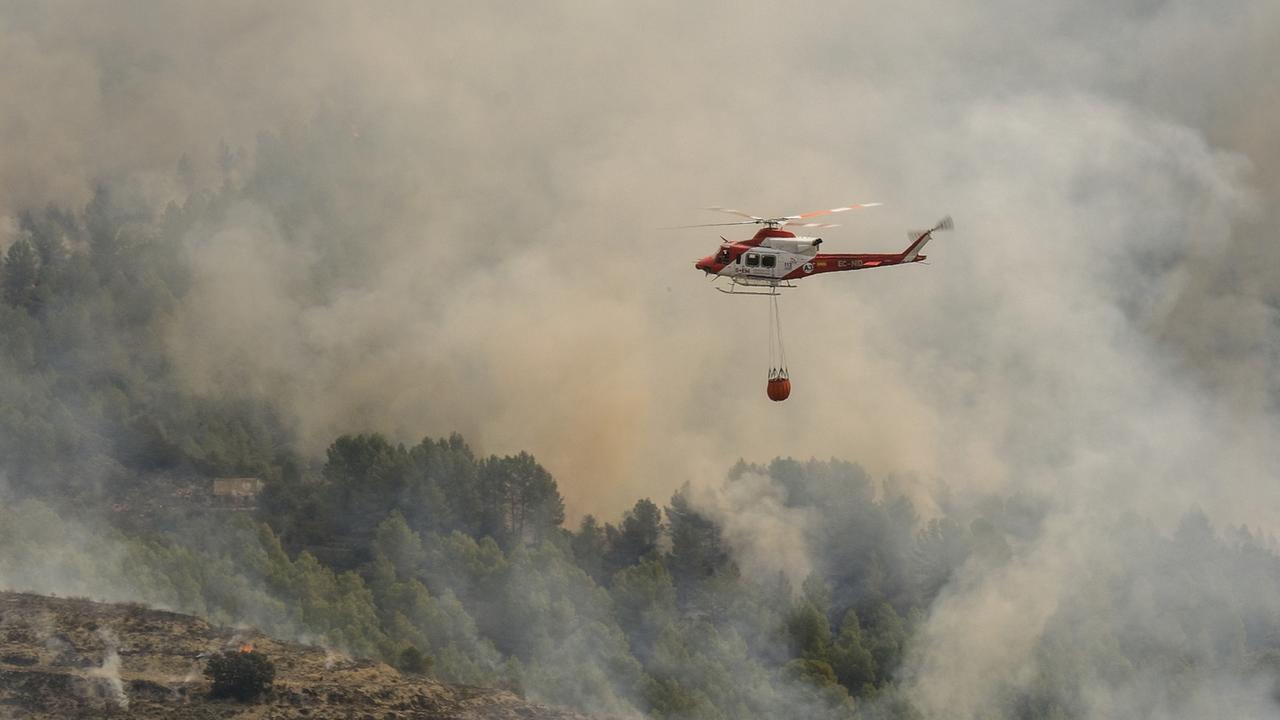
x=64, y=658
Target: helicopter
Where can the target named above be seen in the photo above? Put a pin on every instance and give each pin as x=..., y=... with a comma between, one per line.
x=776, y=258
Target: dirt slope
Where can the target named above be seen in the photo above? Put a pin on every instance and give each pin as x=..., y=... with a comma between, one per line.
x=62, y=658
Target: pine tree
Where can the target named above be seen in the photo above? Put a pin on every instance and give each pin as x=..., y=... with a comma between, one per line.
x=589, y=546
x=698, y=550
x=520, y=502
x=641, y=529
x=20, y=274
x=852, y=662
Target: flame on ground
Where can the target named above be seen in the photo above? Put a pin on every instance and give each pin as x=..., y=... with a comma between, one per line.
x=246, y=647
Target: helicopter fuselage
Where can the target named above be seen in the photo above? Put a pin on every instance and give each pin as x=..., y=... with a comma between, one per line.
x=775, y=256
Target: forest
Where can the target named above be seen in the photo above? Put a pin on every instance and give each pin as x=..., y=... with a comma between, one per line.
x=437, y=559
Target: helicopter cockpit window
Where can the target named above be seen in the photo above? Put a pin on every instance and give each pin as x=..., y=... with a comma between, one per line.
x=768, y=260
x=723, y=255
x=753, y=260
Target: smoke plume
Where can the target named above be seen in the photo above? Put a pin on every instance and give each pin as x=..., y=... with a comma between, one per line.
x=479, y=249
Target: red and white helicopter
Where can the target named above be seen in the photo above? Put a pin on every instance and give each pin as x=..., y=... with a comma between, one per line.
x=775, y=257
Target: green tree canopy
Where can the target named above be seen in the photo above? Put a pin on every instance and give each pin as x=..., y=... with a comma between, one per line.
x=636, y=538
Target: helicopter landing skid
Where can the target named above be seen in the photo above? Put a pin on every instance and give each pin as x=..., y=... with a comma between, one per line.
x=767, y=288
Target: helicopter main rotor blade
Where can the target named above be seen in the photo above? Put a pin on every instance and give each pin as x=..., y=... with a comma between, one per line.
x=739, y=213
x=788, y=223
x=777, y=222
x=680, y=227
x=818, y=213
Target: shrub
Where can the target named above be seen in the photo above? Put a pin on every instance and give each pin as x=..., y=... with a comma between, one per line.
x=413, y=661
x=241, y=675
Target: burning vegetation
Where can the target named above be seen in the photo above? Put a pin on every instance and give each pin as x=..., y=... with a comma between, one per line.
x=244, y=674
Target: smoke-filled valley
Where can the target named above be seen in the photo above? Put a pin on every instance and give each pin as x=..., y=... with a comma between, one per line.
x=400, y=263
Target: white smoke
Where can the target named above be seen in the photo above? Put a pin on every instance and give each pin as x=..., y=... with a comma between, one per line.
x=109, y=671
x=765, y=536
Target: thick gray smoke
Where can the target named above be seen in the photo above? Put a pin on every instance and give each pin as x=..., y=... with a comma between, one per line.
x=1101, y=329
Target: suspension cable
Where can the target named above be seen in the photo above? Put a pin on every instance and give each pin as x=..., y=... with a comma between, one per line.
x=782, y=351
x=773, y=357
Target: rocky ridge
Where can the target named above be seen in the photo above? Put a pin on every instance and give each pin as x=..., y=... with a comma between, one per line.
x=62, y=658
